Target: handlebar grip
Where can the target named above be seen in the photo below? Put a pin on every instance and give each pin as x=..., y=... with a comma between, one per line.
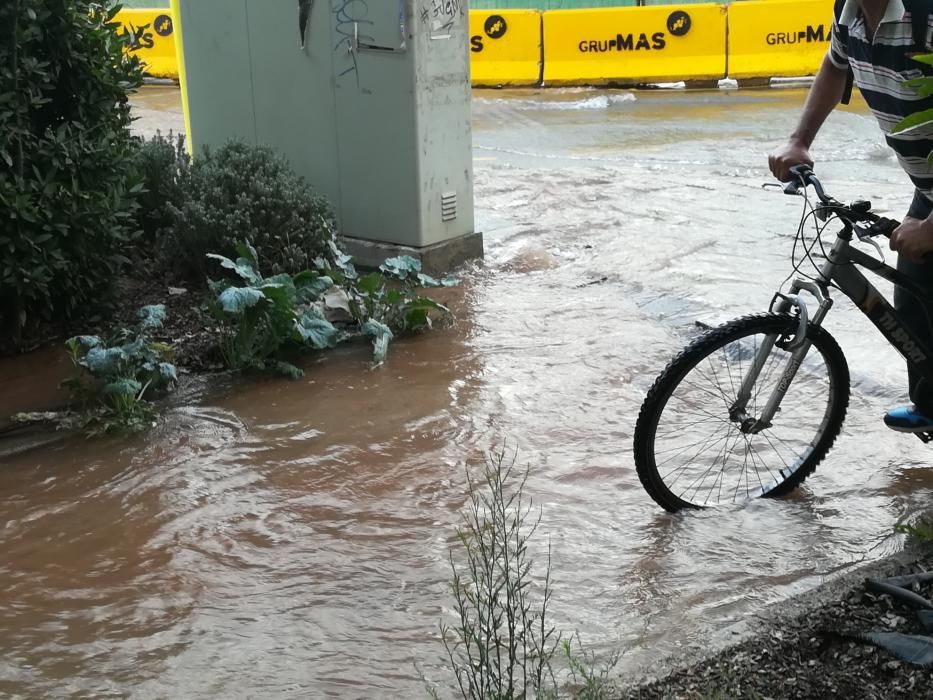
x=884, y=227
x=802, y=172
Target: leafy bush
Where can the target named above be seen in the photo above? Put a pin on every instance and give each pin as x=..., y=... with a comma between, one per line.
x=67, y=179
x=263, y=315
x=162, y=163
x=248, y=193
x=120, y=375
x=386, y=302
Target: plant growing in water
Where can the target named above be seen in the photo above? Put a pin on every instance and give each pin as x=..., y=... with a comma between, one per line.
x=920, y=531
x=120, y=376
x=503, y=645
x=262, y=317
x=387, y=301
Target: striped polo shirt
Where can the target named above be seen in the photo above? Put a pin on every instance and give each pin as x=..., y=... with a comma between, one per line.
x=880, y=65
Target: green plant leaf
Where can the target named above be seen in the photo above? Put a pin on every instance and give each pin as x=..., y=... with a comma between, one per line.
x=417, y=319
x=152, y=316
x=286, y=369
x=283, y=303
x=403, y=267
x=924, y=58
x=123, y=387
x=162, y=350
x=282, y=280
x=917, y=119
x=923, y=86
x=311, y=285
x=246, y=251
x=317, y=332
x=242, y=267
x=426, y=303
x=381, y=335
x=168, y=372
x=103, y=361
x=83, y=343
x=236, y=300
x=416, y=313
x=394, y=297
x=342, y=261
x=217, y=286
x=370, y=283
x=428, y=281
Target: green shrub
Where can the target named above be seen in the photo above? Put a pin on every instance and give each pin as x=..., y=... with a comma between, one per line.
x=249, y=193
x=162, y=162
x=66, y=173
x=387, y=302
x=260, y=316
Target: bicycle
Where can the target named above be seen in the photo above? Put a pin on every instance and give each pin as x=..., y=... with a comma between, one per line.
x=761, y=399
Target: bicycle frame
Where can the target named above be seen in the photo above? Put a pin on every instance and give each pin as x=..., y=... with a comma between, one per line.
x=841, y=269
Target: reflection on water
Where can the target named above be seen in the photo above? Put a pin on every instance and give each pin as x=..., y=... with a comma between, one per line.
x=289, y=539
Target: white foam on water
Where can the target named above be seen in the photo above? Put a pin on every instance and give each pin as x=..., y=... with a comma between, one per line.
x=600, y=101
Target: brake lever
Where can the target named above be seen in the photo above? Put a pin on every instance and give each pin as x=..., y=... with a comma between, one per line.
x=786, y=187
x=867, y=236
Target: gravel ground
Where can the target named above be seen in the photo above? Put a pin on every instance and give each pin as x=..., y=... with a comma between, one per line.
x=816, y=652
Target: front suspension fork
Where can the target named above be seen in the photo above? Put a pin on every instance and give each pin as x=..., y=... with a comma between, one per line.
x=799, y=346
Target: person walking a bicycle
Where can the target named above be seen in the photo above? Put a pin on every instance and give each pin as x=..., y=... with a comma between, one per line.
x=872, y=45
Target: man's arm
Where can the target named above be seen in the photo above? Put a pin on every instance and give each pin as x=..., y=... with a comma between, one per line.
x=825, y=94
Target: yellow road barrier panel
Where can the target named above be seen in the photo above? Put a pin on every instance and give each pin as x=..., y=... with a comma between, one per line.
x=505, y=47
x=635, y=44
x=152, y=38
x=771, y=38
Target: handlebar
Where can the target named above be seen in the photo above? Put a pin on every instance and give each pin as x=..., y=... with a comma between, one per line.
x=852, y=215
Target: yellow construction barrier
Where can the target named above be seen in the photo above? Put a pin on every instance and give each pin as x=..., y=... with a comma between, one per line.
x=778, y=37
x=151, y=36
x=766, y=38
x=635, y=44
x=505, y=47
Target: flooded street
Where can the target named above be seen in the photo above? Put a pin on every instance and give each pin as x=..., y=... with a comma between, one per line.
x=289, y=539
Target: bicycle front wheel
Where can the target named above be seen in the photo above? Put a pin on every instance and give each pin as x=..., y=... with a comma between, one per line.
x=694, y=449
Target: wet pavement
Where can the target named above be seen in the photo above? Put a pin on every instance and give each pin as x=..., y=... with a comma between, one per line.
x=289, y=539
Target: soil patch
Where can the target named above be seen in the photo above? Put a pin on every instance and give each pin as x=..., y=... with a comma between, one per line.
x=188, y=327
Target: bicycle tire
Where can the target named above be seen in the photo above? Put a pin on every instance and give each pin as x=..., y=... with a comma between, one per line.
x=704, y=348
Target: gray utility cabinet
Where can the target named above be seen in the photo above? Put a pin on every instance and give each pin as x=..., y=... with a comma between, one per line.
x=371, y=105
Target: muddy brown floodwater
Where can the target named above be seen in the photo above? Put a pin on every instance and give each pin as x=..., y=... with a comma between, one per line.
x=289, y=539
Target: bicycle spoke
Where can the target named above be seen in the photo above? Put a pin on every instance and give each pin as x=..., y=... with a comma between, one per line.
x=697, y=411
x=709, y=443
x=775, y=450
x=680, y=429
x=725, y=453
x=703, y=442
x=725, y=399
x=754, y=454
x=715, y=395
